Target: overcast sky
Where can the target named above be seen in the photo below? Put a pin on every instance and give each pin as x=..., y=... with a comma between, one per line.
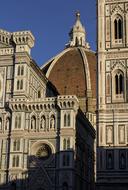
x=50, y=22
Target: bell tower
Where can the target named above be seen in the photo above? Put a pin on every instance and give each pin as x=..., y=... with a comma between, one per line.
x=112, y=93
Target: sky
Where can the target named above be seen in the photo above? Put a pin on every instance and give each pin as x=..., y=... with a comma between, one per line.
x=49, y=21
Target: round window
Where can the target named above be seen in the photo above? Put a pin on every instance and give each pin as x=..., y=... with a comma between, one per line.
x=44, y=152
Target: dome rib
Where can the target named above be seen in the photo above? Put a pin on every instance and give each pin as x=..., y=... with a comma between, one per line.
x=87, y=71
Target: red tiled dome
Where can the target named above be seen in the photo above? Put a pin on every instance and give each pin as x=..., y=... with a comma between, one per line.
x=73, y=72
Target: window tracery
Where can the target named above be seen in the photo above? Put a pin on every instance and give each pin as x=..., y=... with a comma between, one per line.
x=119, y=82
x=118, y=27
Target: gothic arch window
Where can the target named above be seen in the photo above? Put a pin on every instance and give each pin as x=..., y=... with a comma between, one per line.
x=43, y=122
x=118, y=27
x=67, y=120
x=18, y=71
x=39, y=94
x=16, y=145
x=77, y=42
x=18, y=85
x=15, y=161
x=21, y=84
x=22, y=70
x=65, y=117
x=68, y=143
x=64, y=144
x=119, y=82
x=17, y=121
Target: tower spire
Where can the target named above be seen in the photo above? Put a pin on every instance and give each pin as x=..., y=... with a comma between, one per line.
x=78, y=33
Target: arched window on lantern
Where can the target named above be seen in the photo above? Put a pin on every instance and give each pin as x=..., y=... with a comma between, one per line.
x=118, y=27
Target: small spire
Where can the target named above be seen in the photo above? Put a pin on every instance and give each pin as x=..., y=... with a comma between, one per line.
x=78, y=34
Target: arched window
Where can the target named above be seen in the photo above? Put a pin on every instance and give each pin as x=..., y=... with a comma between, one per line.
x=39, y=94
x=65, y=118
x=118, y=27
x=64, y=144
x=16, y=145
x=119, y=83
x=15, y=161
x=18, y=72
x=18, y=122
x=21, y=84
x=22, y=70
x=77, y=42
x=18, y=85
x=68, y=143
x=68, y=120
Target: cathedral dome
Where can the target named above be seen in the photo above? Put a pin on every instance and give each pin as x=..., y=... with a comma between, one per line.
x=73, y=71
